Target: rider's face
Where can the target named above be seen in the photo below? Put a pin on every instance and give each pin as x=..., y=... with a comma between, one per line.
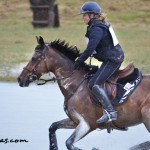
x=86, y=18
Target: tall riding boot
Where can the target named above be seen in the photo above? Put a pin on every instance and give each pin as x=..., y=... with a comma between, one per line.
x=109, y=113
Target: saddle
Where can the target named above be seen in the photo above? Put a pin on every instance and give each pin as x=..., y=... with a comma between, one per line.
x=111, y=84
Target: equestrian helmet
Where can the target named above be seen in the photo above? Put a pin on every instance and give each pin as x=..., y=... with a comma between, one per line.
x=90, y=7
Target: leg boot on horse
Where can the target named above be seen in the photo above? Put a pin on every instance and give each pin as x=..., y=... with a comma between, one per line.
x=109, y=113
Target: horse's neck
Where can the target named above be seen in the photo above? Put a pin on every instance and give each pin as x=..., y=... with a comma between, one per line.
x=69, y=79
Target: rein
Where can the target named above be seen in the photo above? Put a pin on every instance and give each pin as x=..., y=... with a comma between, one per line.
x=33, y=77
x=54, y=79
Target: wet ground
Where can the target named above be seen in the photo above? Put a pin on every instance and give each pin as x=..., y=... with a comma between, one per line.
x=27, y=113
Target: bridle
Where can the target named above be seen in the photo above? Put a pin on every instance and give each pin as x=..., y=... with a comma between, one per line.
x=32, y=76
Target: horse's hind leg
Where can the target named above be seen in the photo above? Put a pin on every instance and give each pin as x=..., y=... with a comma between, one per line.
x=66, y=123
x=81, y=130
x=146, y=116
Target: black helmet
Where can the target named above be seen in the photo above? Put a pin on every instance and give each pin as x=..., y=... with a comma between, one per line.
x=90, y=7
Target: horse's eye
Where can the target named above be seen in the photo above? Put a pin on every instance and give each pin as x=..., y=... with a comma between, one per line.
x=33, y=59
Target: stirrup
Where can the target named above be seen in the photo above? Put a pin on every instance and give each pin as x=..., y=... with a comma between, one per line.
x=112, y=116
x=107, y=117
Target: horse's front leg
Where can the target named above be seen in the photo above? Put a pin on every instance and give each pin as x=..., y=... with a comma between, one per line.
x=65, y=123
x=81, y=130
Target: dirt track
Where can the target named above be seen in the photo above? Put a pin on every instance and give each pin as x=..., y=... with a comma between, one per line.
x=27, y=113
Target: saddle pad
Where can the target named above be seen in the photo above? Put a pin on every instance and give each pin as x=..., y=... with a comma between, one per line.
x=126, y=86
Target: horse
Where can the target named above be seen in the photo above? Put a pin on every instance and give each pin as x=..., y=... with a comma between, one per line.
x=59, y=58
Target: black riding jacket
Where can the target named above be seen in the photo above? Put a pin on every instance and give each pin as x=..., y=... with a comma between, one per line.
x=101, y=44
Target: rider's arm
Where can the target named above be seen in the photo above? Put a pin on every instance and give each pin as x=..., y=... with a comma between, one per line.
x=95, y=36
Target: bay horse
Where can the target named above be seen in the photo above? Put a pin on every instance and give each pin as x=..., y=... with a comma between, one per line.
x=57, y=57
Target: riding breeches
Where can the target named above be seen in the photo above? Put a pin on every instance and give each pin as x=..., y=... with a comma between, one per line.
x=106, y=70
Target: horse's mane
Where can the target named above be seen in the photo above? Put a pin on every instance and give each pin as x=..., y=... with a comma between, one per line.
x=70, y=51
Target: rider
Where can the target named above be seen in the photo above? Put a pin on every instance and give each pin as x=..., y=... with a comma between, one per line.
x=104, y=46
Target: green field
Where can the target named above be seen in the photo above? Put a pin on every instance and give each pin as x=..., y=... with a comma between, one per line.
x=130, y=19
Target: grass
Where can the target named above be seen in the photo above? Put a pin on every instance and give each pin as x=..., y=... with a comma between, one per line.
x=17, y=41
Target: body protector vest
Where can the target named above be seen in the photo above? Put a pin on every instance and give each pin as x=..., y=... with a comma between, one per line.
x=108, y=48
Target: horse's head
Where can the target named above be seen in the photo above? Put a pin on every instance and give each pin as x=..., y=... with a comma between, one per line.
x=36, y=66
x=56, y=57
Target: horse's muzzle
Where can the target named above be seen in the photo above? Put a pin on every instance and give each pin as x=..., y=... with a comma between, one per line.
x=23, y=83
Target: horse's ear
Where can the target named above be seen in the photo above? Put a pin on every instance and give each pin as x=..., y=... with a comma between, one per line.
x=37, y=38
x=40, y=41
